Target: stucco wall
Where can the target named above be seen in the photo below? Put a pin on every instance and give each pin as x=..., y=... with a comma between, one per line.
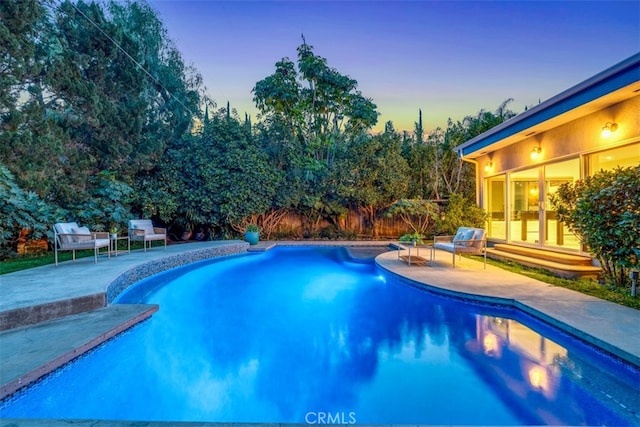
x=579, y=136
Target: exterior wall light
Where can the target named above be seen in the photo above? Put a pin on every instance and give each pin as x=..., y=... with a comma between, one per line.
x=535, y=153
x=488, y=167
x=608, y=129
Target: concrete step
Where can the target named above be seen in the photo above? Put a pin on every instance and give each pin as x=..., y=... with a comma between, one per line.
x=560, y=269
x=30, y=315
x=30, y=352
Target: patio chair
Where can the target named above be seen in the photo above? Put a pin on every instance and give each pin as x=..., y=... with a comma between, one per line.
x=68, y=236
x=143, y=230
x=466, y=241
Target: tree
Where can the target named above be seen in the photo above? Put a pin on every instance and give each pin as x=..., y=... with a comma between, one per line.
x=228, y=178
x=312, y=112
x=424, y=168
x=105, y=92
x=436, y=169
x=21, y=58
x=372, y=175
x=244, y=184
x=317, y=102
x=419, y=215
x=419, y=130
x=603, y=210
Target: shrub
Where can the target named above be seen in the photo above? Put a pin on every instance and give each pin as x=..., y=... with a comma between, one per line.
x=419, y=215
x=20, y=210
x=603, y=210
x=460, y=212
x=252, y=228
x=412, y=237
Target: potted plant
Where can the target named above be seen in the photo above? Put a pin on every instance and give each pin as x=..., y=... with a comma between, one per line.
x=413, y=238
x=114, y=232
x=252, y=234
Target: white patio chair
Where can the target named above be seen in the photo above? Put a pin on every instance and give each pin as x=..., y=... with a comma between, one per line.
x=466, y=241
x=68, y=236
x=143, y=230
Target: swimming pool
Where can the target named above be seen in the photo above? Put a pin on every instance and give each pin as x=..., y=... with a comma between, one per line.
x=306, y=335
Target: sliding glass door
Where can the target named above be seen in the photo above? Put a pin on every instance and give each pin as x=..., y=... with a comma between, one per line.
x=496, y=191
x=556, y=174
x=518, y=205
x=524, y=206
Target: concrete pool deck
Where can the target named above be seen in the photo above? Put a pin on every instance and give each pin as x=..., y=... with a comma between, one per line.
x=75, y=295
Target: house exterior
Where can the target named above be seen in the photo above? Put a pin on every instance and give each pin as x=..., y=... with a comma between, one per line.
x=592, y=126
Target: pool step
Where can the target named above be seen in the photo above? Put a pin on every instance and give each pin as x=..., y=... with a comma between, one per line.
x=261, y=246
x=30, y=352
x=30, y=315
x=569, y=266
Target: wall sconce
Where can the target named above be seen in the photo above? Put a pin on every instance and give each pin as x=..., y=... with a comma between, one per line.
x=535, y=153
x=608, y=129
x=488, y=167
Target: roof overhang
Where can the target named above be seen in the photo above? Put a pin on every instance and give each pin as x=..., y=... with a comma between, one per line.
x=614, y=85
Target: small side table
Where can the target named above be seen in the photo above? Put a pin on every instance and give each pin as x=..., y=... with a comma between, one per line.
x=113, y=239
x=416, y=259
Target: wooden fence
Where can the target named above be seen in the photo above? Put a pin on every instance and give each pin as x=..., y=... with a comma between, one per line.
x=354, y=223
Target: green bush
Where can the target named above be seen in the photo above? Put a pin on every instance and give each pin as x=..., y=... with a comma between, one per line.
x=412, y=237
x=419, y=215
x=252, y=228
x=20, y=210
x=460, y=212
x=603, y=210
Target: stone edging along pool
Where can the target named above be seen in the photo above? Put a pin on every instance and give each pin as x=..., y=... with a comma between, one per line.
x=149, y=268
x=540, y=308
x=584, y=319
x=139, y=271
x=27, y=360
x=142, y=271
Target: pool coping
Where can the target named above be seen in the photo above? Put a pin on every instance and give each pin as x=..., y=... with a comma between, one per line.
x=33, y=362
x=587, y=318
x=79, y=318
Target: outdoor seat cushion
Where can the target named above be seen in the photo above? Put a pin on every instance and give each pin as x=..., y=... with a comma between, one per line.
x=445, y=246
x=83, y=234
x=88, y=244
x=464, y=233
x=64, y=229
x=155, y=236
x=101, y=243
x=478, y=236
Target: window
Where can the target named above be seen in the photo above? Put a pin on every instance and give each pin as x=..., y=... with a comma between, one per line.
x=495, y=207
x=628, y=155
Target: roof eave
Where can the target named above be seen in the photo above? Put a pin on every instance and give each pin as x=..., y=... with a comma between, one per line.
x=609, y=80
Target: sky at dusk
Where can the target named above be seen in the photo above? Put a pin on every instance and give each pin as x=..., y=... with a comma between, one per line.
x=449, y=58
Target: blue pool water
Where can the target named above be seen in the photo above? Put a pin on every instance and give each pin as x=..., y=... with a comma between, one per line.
x=304, y=335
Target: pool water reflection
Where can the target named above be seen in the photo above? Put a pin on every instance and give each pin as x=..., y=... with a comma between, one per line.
x=294, y=334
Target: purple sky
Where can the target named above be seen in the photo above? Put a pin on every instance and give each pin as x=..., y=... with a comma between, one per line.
x=449, y=58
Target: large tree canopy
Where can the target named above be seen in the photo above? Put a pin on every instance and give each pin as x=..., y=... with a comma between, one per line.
x=435, y=168
x=91, y=88
x=321, y=106
x=372, y=175
x=97, y=114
